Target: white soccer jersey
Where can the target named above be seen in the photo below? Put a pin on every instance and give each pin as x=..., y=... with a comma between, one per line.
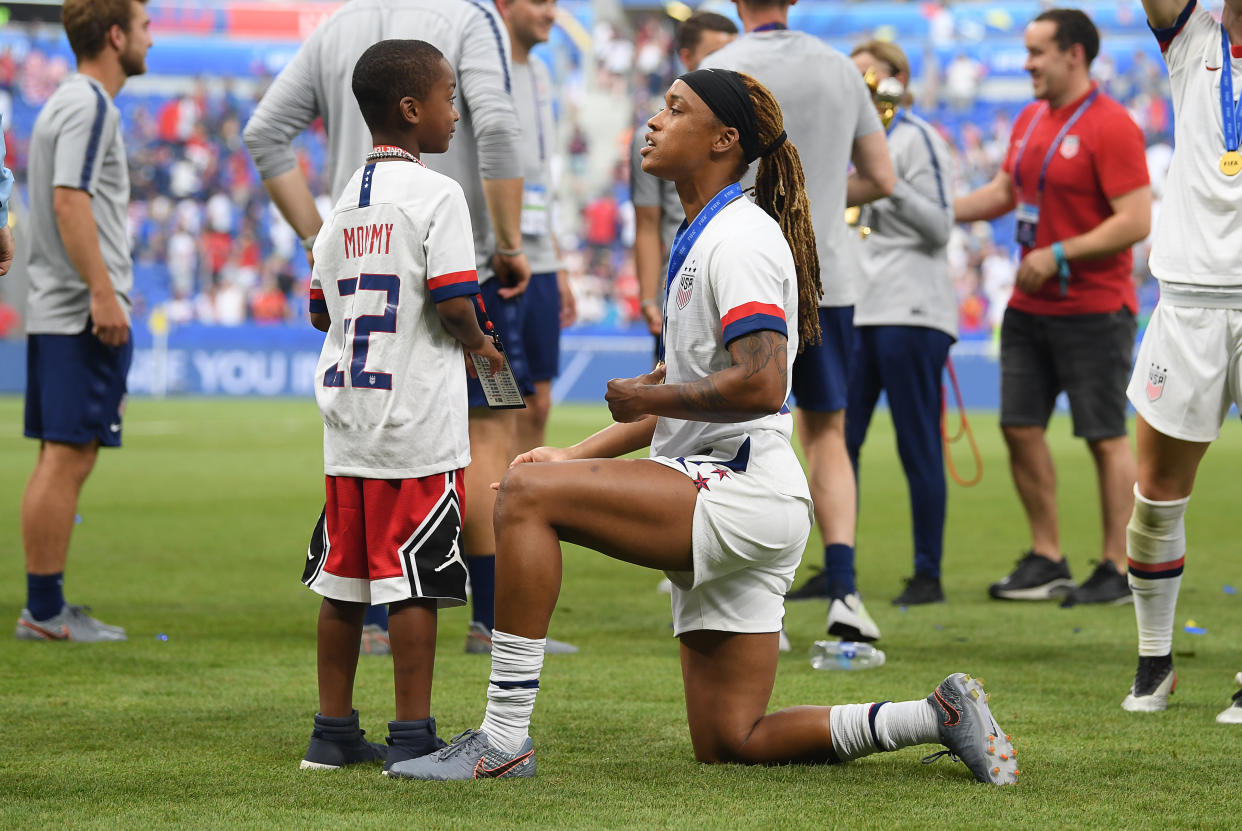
x=1199, y=226
x=737, y=278
x=391, y=382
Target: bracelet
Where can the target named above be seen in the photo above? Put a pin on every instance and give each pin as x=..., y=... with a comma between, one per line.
x=309, y=242
x=508, y=252
x=650, y=302
x=1063, y=266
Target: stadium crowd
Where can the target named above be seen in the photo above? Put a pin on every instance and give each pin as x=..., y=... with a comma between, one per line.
x=209, y=248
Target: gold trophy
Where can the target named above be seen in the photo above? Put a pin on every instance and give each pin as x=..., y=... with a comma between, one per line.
x=887, y=95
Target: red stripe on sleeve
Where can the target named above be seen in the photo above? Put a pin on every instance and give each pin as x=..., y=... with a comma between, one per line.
x=316, y=294
x=747, y=309
x=452, y=279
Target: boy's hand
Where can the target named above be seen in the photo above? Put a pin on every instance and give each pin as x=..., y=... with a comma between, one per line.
x=513, y=272
x=495, y=360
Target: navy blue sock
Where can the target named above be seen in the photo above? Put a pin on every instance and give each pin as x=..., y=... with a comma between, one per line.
x=45, y=595
x=377, y=615
x=483, y=589
x=839, y=564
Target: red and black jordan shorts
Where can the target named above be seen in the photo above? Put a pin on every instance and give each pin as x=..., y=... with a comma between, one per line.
x=386, y=540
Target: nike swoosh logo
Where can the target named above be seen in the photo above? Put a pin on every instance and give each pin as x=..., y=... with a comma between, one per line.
x=116, y=428
x=62, y=635
x=1212, y=68
x=952, y=716
x=482, y=772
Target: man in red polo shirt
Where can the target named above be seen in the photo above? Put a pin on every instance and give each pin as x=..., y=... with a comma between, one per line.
x=1076, y=176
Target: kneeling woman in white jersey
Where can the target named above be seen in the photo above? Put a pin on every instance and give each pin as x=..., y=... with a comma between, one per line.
x=722, y=505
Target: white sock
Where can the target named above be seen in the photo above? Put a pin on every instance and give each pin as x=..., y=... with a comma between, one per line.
x=1156, y=550
x=905, y=723
x=851, y=731
x=516, y=664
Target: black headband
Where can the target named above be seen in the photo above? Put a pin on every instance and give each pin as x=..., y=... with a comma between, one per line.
x=725, y=93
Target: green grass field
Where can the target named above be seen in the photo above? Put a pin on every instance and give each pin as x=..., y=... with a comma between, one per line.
x=197, y=530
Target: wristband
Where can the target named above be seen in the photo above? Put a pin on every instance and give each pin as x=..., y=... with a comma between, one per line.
x=508, y=252
x=1063, y=266
x=651, y=301
x=309, y=242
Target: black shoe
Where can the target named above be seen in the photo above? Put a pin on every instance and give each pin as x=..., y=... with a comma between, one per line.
x=337, y=742
x=1035, y=578
x=1105, y=585
x=920, y=589
x=1154, y=682
x=411, y=740
x=815, y=587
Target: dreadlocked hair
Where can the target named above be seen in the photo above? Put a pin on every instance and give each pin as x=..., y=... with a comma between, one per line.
x=780, y=189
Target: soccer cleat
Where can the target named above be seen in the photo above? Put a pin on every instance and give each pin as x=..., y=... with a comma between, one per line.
x=470, y=756
x=337, y=742
x=920, y=589
x=1106, y=585
x=970, y=733
x=1233, y=713
x=375, y=640
x=1154, y=682
x=479, y=642
x=72, y=623
x=848, y=620
x=1035, y=578
x=814, y=588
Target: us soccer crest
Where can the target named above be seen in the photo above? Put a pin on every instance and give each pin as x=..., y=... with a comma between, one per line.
x=1155, y=381
x=1069, y=147
x=685, y=286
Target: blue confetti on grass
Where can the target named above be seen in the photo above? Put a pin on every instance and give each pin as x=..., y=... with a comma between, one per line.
x=1195, y=630
x=1230, y=590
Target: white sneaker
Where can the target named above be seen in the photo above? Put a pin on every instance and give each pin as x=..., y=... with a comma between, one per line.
x=1154, y=682
x=785, y=647
x=1233, y=713
x=848, y=620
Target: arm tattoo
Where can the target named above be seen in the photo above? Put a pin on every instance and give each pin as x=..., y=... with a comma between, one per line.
x=754, y=354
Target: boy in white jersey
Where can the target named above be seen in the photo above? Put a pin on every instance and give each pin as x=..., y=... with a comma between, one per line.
x=393, y=287
x=721, y=506
x=1188, y=373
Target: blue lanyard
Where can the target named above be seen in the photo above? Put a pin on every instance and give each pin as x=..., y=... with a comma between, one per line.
x=897, y=117
x=1056, y=143
x=1231, y=112
x=687, y=234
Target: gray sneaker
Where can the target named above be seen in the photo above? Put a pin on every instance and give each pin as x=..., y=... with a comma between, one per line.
x=71, y=624
x=479, y=642
x=970, y=733
x=375, y=640
x=470, y=756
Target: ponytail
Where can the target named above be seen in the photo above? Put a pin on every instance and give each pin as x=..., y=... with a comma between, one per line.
x=780, y=189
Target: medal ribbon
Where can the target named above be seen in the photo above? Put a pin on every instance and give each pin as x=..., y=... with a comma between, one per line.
x=1230, y=111
x=687, y=234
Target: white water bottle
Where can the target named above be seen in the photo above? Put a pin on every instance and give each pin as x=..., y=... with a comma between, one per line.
x=845, y=655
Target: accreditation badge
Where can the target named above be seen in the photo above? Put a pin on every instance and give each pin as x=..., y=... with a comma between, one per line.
x=1028, y=223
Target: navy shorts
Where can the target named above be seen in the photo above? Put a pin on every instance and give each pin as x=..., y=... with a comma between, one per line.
x=75, y=388
x=821, y=373
x=506, y=316
x=541, y=326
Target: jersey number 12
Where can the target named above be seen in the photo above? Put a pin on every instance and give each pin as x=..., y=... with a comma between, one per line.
x=364, y=326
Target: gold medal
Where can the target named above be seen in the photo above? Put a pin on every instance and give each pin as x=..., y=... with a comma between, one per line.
x=1231, y=163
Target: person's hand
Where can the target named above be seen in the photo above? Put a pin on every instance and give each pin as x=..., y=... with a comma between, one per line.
x=569, y=306
x=653, y=317
x=6, y=249
x=539, y=454
x=1035, y=269
x=624, y=395
x=108, y=319
x=513, y=272
x=495, y=360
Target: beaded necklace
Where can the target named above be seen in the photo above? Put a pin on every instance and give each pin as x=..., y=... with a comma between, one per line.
x=388, y=151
